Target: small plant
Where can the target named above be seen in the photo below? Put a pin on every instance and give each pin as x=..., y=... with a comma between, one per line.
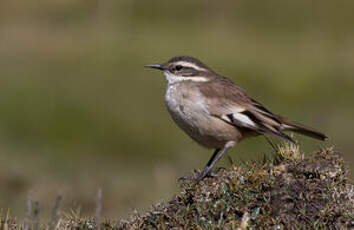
x=290, y=151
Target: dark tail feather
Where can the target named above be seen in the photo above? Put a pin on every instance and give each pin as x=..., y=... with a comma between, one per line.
x=302, y=129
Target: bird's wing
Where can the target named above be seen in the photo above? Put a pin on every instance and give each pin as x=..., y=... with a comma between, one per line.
x=230, y=103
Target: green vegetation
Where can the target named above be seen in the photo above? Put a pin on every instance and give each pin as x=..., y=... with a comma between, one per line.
x=288, y=191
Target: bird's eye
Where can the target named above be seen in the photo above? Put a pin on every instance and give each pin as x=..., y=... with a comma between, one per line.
x=178, y=67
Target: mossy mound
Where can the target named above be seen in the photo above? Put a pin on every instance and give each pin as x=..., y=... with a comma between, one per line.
x=288, y=192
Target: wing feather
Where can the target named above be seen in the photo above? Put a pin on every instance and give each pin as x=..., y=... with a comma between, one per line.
x=230, y=103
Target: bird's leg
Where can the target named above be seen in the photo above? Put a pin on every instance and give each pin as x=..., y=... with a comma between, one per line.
x=212, y=157
x=206, y=166
x=213, y=160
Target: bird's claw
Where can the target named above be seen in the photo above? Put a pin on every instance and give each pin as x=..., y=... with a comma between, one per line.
x=190, y=178
x=199, y=176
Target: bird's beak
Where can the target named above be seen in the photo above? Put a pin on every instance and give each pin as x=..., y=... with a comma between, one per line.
x=155, y=66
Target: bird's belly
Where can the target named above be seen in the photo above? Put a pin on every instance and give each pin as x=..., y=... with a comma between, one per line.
x=191, y=114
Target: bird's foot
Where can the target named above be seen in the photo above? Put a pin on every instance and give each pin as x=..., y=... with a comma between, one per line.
x=199, y=176
x=207, y=174
x=190, y=178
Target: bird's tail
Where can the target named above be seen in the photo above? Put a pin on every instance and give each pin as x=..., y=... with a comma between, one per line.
x=302, y=129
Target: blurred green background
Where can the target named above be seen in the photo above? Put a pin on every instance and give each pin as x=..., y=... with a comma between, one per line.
x=80, y=112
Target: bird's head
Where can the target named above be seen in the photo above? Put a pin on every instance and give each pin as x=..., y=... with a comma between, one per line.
x=184, y=68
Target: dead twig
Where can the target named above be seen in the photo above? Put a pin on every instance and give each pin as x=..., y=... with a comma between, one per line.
x=55, y=213
x=36, y=216
x=28, y=218
x=98, y=209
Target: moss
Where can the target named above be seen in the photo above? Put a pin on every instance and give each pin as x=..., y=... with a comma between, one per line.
x=286, y=193
x=289, y=191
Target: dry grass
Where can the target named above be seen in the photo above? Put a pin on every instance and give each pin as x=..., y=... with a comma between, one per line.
x=287, y=192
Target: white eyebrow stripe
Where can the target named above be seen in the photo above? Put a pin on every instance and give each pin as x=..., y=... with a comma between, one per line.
x=189, y=64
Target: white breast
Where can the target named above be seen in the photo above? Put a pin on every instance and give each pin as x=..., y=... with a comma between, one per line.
x=189, y=110
x=185, y=103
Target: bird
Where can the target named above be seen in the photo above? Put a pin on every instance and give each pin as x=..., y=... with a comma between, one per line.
x=216, y=112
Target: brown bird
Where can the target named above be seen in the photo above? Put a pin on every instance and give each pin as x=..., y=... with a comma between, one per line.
x=217, y=113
